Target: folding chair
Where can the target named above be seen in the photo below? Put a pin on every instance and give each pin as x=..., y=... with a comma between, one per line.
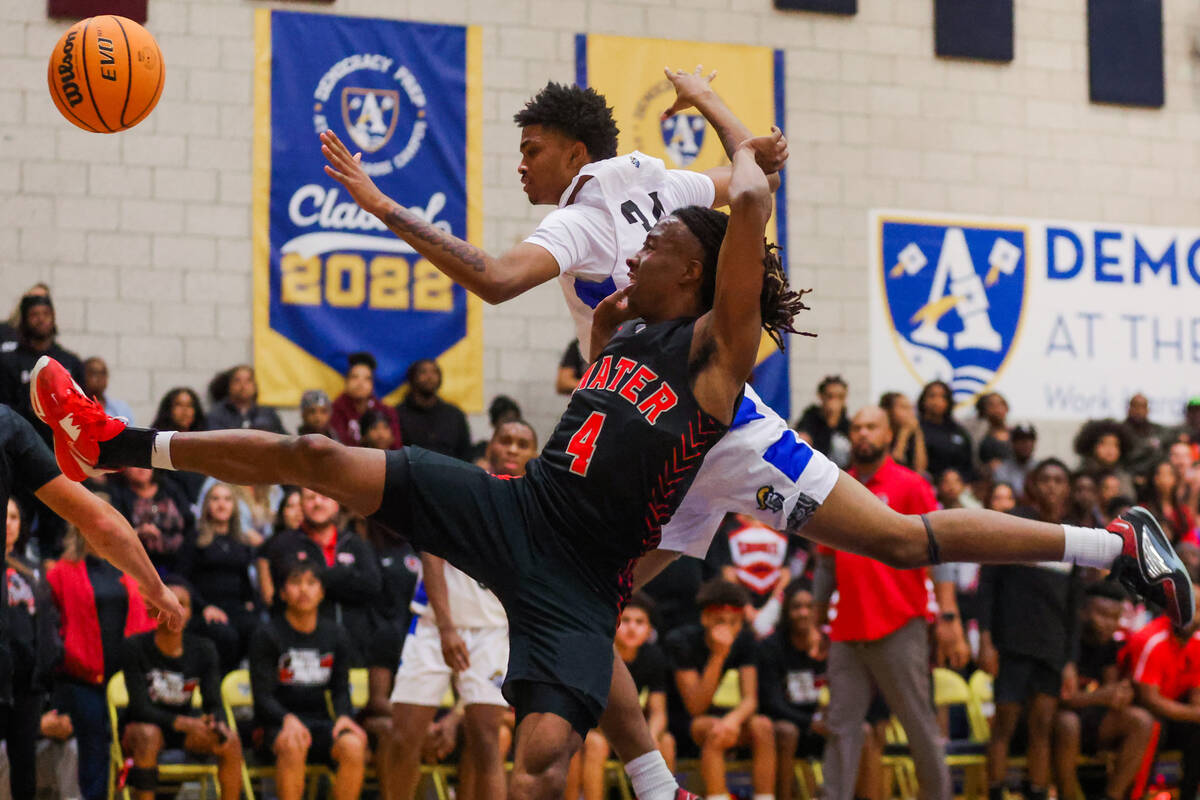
x=118, y=698
x=949, y=689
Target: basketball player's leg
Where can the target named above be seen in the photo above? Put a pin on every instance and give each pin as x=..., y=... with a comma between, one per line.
x=551, y=724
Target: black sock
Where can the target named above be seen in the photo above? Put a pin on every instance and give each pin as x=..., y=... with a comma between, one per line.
x=129, y=448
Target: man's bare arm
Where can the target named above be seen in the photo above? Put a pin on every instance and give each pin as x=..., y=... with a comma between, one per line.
x=494, y=279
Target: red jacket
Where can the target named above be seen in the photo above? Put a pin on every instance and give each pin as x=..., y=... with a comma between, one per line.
x=83, y=656
x=344, y=420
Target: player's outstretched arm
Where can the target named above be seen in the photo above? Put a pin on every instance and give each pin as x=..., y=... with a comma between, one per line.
x=732, y=330
x=494, y=279
x=110, y=536
x=694, y=89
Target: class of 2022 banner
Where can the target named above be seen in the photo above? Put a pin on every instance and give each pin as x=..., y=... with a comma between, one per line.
x=329, y=278
x=629, y=73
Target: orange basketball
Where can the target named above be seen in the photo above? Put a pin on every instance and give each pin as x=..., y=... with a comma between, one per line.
x=105, y=74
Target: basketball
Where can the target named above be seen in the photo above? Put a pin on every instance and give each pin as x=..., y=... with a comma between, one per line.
x=105, y=74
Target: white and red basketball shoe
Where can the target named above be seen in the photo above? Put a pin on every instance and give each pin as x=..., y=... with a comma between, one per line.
x=1149, y=566
x=79, y=423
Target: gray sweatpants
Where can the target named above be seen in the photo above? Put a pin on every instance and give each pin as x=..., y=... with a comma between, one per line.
x=898, y=664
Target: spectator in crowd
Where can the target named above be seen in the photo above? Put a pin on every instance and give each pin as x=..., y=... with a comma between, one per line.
x=749, y=553
x=1164, y=497
x=295, y=658
x=648, y=666
x=34, y=649
x=700, y=657
x=1099, y=714
x=461, y=634
x=10, y=329
x=908, y=447
x=220, y=574
x=880, y=631
x=1002, y=497
x=376, y=430
x=1189, y=431
x=1164, y=662
x=289, y=519
x=1101, y=445
x=180, y=410
x=947, y=442
x=163, y=670
x=1084, y=509
x=991, y=422
x=1029, y=661
x=502, y=409
x=825, y=424
x=160, y=515
x=95, y=384
x=1115, y=507
x=97, y=608
x=1147, y=439
x=674, y=592
x=570, y=369
x=240, y=409
x=315, y=413
x=1187, y=472
x=1013, y=470
x=37, y=334
x=791, y=672
x=952, y=491
x=356, y=398
x=351, y=582
x=427, y=420
x=1108, y=487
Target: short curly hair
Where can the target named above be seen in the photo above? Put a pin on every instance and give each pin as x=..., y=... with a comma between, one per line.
x=1094, y=430
x=582, y=114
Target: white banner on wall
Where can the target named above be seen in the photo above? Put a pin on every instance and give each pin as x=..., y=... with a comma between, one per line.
x=1066, y=319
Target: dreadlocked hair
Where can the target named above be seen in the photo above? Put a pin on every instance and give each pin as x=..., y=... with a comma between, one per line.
x=778, y=303
x=581, y=114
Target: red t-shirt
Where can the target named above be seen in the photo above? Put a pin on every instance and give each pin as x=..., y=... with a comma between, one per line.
x=1155, y=657
x=873, y=599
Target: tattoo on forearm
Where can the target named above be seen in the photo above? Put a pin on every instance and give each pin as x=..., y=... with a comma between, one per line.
x=408, y=225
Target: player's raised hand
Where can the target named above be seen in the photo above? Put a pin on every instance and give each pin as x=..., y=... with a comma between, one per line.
x=347, y=170
x=689, y=86
x=770, y=151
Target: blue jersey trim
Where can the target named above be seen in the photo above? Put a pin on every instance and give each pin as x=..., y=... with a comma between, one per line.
x=747, y=412
x=592, y=293
x=790, y=455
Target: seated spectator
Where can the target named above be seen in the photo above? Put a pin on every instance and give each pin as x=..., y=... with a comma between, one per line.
x=1147, y=439
x=1164, y=497
x=674, y=592
x=1084, y=508
x=570, y=369
x=952, y=490
x=1164, y=662
x=10, y=329
x=295, y=658
x=991, y=423
x=1097, y=711
x=427, y=420
x=648, y=666
x=289, y=517
x=377, y=430
x=1101, y=445
x=221, y=577
x=351, y=582
x=34, y=649
x=502, y=409
x=825, y=425
x=791, y=672
x=719, y=654
x=1116, y=507
x=240, y=409
x=356, y=398
x=160, y=515
x=1187, y=472
x=1108, y=487
x=95, y=384
x=1189, y=431
x=180, y=410
x=908, y=447
x=756, y=557
x=97, y=608
x=1013, y=470
x=946, y=441
x=163, y=669
x=315, y=413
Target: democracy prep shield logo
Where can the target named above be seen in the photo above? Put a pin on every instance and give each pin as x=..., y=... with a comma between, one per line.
x=683, y=135
x=954, y=294
x=370, y=115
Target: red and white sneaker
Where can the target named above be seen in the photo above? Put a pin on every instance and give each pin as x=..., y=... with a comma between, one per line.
x=684, y=794
x=1149, y=566
x=79, y=423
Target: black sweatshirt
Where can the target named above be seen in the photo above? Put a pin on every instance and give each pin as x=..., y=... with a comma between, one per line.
x=160, y=686
x=290, y=672
x=789, y=681
x=221, y=574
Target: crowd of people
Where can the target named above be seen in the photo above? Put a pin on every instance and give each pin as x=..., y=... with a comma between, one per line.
x=770, y=649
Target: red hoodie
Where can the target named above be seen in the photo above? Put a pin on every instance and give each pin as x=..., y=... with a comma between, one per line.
x=83, y=654
x=344, y=420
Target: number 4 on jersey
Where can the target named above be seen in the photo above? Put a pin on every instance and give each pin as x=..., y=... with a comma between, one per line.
x=583, y=443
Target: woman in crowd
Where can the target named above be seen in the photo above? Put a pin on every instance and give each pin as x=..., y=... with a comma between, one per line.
x=952, y=490
x=180, y=409
x=908, y=443
x=1101, y=445
x=221, y=576
x=1164, y=497
x=946, y=441
x=376, y=430
x=160, y=514
x=288, y=519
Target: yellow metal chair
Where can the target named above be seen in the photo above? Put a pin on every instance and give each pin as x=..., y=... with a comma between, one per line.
x=949, y=689
x=118, y=698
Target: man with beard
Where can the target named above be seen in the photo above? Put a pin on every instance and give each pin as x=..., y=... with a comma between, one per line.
x=37, y=333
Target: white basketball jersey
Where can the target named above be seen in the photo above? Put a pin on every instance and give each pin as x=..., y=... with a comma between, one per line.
x=471, y=605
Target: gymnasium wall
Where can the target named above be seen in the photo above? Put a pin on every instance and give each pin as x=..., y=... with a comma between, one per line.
x=145, y=235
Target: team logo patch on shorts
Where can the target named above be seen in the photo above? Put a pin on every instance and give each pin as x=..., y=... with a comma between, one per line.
x=802, y=513
x=769, y=499
x=497, y=679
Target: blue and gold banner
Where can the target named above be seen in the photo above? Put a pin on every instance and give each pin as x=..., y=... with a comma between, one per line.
x=629, y=72
x=329, y=278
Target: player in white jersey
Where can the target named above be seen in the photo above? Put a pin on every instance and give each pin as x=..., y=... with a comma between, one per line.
x=606, y=206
